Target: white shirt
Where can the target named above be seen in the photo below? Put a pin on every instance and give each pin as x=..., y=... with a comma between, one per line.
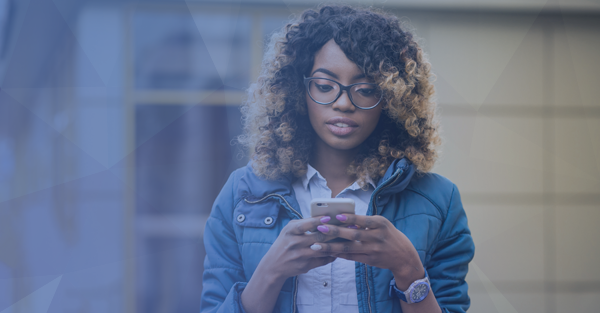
x=330, y=288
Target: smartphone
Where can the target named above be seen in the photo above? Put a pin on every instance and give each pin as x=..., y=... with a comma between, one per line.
x=331, y=207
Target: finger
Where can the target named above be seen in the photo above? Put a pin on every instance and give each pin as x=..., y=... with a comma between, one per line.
x=317, y=236
x=316, y=247
x=319, y=250
x=307, y=224
x=348, y=233
x=323, y=219
x=363, y=221
x=336, y=248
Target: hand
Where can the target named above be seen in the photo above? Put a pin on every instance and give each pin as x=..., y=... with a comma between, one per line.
x=291, y=253
x=375, y=242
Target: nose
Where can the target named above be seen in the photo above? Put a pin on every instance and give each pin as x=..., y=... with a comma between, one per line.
x=343, y=103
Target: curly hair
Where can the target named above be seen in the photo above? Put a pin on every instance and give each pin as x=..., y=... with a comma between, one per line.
x=275, y=117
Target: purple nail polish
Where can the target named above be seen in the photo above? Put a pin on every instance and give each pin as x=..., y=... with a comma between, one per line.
x=325, y=219
x=341, y=217
x=323, y=229
x=353, y=226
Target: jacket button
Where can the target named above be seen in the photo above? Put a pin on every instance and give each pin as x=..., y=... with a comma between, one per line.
x=268, y=220
x=241, y=218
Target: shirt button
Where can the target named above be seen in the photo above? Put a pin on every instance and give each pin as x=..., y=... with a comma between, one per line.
x=325, y=284
x=241, y=218
x=268, y=220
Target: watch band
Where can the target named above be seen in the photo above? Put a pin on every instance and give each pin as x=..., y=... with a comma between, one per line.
x=416, y=292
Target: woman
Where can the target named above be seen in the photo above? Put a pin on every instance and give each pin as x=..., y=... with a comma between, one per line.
x=342, y=108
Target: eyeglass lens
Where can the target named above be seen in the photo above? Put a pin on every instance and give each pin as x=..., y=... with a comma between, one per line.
x=326, y=91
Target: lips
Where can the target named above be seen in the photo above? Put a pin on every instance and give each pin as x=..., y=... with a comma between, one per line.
x=341, y=126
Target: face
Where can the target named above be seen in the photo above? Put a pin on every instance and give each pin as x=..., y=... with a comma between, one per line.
x=340, y=125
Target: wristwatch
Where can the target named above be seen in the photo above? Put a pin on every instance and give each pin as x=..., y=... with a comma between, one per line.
x=417, y=291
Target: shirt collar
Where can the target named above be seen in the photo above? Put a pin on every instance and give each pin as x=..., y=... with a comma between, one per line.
x=368, y=181
x=311, y=172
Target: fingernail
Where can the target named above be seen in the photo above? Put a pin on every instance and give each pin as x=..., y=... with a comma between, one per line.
x=353, y=226
x=323, y=229
x=316, y=247
x=325, y=219
x=341, y=217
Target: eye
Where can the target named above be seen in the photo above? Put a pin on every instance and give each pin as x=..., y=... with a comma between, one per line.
x=324, y=88
x=367, y=92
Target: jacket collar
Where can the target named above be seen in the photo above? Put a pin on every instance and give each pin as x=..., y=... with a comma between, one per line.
x=311, y=172
x=398, y=176
x=253, y=187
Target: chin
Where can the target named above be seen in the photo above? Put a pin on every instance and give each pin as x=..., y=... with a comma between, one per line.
x=341, y=145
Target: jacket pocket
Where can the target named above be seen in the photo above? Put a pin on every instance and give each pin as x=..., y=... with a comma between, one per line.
x=261, y=214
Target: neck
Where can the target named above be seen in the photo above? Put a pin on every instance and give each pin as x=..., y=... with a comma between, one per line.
x=333, y=164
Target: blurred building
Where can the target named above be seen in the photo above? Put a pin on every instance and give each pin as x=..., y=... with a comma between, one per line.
x=118, y=120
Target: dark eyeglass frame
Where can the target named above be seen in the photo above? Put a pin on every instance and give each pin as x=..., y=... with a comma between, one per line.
x=342, y=88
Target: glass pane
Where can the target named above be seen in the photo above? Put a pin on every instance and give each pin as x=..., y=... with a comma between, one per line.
x=169, y=274
x=199, y=51
x=184, y=156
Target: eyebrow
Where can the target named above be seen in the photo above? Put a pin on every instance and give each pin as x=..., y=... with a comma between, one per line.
x=332, y=74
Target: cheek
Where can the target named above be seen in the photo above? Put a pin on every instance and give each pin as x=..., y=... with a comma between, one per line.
x=312, y=110
x=372, y=119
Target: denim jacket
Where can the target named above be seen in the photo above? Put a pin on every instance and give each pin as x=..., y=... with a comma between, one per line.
x=250, y=212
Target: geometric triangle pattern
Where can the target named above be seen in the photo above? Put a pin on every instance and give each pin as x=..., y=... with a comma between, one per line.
x=38, y=301
x=500, y=302
x=82, y=155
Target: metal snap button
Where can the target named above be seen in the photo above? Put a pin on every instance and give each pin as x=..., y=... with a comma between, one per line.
x=241, y=218
x=268, y=220
x=325, y=284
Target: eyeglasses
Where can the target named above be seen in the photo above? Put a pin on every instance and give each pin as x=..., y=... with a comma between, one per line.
x=325, y=91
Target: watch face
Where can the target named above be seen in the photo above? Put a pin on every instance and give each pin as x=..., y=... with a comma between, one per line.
x=419, y=292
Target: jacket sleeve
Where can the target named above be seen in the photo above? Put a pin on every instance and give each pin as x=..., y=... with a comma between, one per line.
x=223, y=280
x=449, y=262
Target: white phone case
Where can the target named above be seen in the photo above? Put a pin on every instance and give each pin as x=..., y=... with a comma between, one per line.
x=331, y=207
